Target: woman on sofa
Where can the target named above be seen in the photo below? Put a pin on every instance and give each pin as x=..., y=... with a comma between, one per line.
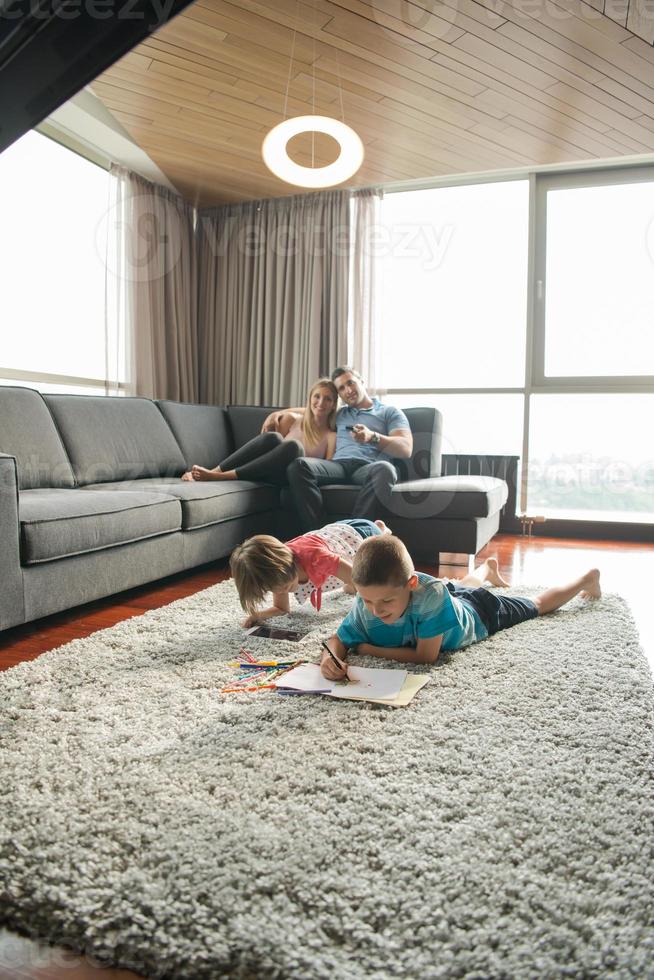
x=284, y=436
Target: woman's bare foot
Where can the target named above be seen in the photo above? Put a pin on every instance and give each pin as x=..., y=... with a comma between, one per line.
x=202, y=473
x=382, y=527
x=187, y=476
x=489, y=572
x=592, y=588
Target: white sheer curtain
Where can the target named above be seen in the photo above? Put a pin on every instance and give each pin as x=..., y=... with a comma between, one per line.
x=151, y=287
x=119, y=366
x=364, y=337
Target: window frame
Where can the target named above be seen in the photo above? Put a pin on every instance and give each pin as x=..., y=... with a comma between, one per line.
x=589, y=382
x=111, y=386
x=535, y=381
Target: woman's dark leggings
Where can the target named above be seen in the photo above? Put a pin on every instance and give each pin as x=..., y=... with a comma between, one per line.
x=263, y=458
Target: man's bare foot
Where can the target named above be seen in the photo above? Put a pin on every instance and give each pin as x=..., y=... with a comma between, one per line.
x=489, y=572
x=592, y=588
x=382, y=527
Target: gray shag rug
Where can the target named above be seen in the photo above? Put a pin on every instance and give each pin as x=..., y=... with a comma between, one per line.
x=501, y=826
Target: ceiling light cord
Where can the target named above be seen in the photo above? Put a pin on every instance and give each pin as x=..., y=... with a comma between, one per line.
x=274, y=146
x=290, y=63
x=313, y=94
x=340, y=86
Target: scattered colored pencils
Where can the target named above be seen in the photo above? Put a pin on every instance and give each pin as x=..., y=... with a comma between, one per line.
x=256, y=675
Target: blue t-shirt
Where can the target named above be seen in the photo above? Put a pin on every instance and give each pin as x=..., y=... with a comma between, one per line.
x=380, y=418
x=432, y=611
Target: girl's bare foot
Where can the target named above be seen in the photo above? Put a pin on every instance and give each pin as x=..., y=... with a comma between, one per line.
x=592, y=588
x=382, y=527
x=489, y=572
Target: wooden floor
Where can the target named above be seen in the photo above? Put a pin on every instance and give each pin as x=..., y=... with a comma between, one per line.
x=626, y=568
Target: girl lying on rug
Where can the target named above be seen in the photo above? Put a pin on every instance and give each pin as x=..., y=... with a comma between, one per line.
x=405, y=615
x=311, y=564
x=307, y=566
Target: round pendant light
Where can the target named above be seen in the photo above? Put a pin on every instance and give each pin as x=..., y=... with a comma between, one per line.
x=277, y=160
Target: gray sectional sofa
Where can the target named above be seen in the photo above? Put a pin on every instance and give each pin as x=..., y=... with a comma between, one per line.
x=91, y=501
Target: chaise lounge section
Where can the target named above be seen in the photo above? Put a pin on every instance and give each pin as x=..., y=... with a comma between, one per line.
x=91, y=501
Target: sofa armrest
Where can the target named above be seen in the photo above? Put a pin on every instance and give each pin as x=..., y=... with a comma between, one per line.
x=503, y=467
x=12, y=599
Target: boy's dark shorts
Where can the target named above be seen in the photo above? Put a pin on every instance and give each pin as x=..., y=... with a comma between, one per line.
x=497, y=612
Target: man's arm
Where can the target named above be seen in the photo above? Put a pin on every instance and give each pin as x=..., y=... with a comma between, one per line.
x=398, y=443
x=425, y=652
x=272, y=421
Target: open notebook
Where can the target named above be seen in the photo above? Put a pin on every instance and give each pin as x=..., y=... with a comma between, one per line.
x=378, y=684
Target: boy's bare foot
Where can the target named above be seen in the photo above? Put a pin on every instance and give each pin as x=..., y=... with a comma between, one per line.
x=489, y=572
x=591, y=588
x=382, y=527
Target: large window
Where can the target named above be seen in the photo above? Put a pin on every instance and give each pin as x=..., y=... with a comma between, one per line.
x=52, y=247
x=557, y=368
x=454, y=279
x=596, y=312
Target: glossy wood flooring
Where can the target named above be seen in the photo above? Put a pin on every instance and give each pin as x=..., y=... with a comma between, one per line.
x=626, y=568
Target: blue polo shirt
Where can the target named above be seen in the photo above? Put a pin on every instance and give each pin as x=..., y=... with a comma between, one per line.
x=432, y=611
x=380, y=418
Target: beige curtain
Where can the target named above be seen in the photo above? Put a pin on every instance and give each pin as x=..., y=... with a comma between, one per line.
x=152, y=288
x=273, y=297
x=364, y=336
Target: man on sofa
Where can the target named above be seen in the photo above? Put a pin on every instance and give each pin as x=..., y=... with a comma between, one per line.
x=368, y=436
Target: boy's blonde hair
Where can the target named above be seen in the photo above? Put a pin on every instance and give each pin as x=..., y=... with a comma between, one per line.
x=382, y=560
x=261, y=564
x=309, y=428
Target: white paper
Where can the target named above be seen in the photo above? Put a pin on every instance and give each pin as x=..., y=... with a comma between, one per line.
x=365, y=682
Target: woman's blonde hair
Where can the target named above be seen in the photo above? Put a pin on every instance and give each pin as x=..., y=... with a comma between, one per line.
x=312, y=435
x=261, y=564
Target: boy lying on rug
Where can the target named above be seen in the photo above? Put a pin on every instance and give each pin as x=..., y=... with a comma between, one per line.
x=311, y=564
x=307, y=566
x=405, y=615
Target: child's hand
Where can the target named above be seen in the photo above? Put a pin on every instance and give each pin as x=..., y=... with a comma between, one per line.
x=250, y=621
x=329, y=669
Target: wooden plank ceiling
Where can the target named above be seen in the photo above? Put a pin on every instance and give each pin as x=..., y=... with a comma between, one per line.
x=432, y=88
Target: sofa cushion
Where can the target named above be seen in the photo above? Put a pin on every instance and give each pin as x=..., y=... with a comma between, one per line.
x=205, y=503
x=246, y=421
x=115, y=438
x=202, y=431
x=59, y=523
x=444, y=496
x=28, y=432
